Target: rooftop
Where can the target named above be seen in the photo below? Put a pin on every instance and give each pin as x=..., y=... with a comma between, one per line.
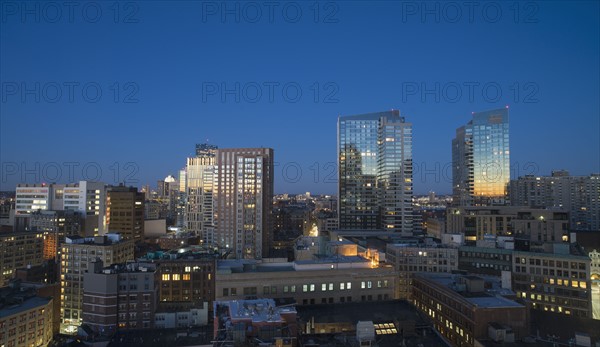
x=490, y=298
x=10, y=309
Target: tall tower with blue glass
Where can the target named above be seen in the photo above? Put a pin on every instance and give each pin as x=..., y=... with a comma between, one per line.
x=375, y=172
x=481, y=160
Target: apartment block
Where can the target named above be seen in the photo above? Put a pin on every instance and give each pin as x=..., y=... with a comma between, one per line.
x=119, y=297
x=579, y=195
x=76, y=255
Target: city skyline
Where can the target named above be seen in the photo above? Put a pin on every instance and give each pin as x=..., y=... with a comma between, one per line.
x=294, y=173
x=159, y=117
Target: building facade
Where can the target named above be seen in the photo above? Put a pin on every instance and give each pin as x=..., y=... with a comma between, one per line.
x=187, y=279
x=76, y=254
x=26, y=322
x=125, y=212
x=481, y=159
x=462, y=312
x=375, y=172
x=307, y=282
x=86, y=197
x=555, y=282
x=55, y=225
x=409, y=260
x=579, y=195
x=200, y=185
x=536, y=225
x=119, y=297
x=244, y=199
x=485, y=260
x=19, y=250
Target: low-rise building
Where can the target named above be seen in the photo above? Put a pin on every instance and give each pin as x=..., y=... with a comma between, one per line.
x=177, y=315
x=556, y=282
x=462, y=310
x=186, y=274
x=25, y=319
x=485, y=260
x=409, y=259
x=537, y=225
x=246, y=322
x=332, y=279
x=19, y=250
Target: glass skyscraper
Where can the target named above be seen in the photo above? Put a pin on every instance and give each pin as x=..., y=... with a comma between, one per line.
x=199, y=176
x=481, y=160
x=375, y=172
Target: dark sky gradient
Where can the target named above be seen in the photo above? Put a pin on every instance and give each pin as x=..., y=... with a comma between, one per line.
x=371, y=54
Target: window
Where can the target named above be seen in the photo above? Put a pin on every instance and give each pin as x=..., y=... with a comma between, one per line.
x=342, y=286
x=165, y=277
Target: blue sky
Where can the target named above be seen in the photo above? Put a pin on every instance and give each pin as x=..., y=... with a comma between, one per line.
x=163, y=70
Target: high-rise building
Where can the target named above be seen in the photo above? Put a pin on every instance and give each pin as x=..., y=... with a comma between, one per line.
x=579, y=195
x=375, y=172
x=76, y=254
x=125, y=212
x=481, y=159
x=200, y=171
x=243, y=202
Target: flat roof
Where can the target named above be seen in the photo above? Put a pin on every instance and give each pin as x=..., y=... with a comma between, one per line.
x=489, y=299
x=493, y=302
x=258, y=310
x=27, y=304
